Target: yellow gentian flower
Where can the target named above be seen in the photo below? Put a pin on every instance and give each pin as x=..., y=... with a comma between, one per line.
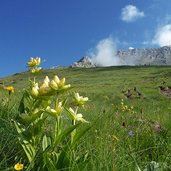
x=76, y=116
x=35, y=70
x=19, y=166
x=51, y=111
x=35, y=90
x=65, y=87
x=48, y=88
x=62, y=82
x=46, y=80
x=53, y=85
x=58, y=107
x=34, y=62
x=45, y=88
x=55, y=112
x=56, y=79
x=58, y=84
x=80, y=100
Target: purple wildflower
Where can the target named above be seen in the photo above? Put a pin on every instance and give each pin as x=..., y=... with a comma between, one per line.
x=130, y=133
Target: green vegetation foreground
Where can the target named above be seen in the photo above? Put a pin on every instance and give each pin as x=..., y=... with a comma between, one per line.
x=129, y=110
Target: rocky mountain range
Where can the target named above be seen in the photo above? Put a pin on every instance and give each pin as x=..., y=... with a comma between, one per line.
x=134, y=56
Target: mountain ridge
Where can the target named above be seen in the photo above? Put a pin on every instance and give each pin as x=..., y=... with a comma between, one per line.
x=133, y=56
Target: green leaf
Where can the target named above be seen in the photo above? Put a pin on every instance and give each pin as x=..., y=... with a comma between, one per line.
x=71, y=115
x=37, y=103
x=64, y=158
x=81, y=161
x=28, y=118
x=63, y=135
x=37, y=128
x=74, y=116
x=49, y=165
x=29, y=150
x=21, y=108
x=46, y=142
x=27, y=147
x=79, y=134
x=64, y=101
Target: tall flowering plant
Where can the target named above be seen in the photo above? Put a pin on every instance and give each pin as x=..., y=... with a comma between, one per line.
x=48, y=126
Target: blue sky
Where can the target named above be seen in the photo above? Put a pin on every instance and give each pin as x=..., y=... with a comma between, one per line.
x=62, y=31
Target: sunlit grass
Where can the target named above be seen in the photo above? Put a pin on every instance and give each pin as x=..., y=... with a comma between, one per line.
x=119, y=140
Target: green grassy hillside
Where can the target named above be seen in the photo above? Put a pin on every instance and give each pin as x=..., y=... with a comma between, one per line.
x=109, y=143
x=110, y=81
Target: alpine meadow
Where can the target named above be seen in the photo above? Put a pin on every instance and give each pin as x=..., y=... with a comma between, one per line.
x=85, y=85
x=75, y=119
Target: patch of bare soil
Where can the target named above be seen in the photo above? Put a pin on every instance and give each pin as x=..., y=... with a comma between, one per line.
x=132, y=93
x=166, y=91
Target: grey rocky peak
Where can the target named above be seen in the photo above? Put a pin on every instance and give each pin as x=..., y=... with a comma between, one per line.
x=146, y=56
x=84, y=62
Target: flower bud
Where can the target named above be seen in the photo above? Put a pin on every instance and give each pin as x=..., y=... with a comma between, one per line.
x=65, y=87
x=59, y=107
x=56, y=79
x=52, y=111
x=44, y=89
x=38, y=60
x=53, y=85
x=61, y=83
x=79, y=115
x=80, y=100
x=35, y=90
x=46, y=80
x=35, y=70
x=75, y=116
x=55, y=112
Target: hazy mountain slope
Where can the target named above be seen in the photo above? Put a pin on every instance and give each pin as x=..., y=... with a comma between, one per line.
x=137, y=56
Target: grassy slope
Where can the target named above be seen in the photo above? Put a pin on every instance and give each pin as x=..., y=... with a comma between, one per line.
x=110, y=81
x=104, y=87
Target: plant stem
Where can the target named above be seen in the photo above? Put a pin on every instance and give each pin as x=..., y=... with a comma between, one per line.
x=73, y=123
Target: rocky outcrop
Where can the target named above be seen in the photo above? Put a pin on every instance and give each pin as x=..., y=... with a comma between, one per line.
x=84, y=62
x=146, y=56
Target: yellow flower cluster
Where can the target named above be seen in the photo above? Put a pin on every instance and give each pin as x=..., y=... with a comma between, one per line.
x=76, y=116
x=79, y=100
x=47, y=88
x=125, y=108
x=55, y=112
x=33, y=63
x=19, y=166
x=35, y=70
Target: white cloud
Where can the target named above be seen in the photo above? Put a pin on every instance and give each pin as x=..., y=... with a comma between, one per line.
x=131, y=13
x=146, y=43
x=104, y=53
x=163, y=35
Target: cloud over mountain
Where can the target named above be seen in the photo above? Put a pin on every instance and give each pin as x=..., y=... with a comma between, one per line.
x=131, y=13
x=163, y=36
x=104, y=54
